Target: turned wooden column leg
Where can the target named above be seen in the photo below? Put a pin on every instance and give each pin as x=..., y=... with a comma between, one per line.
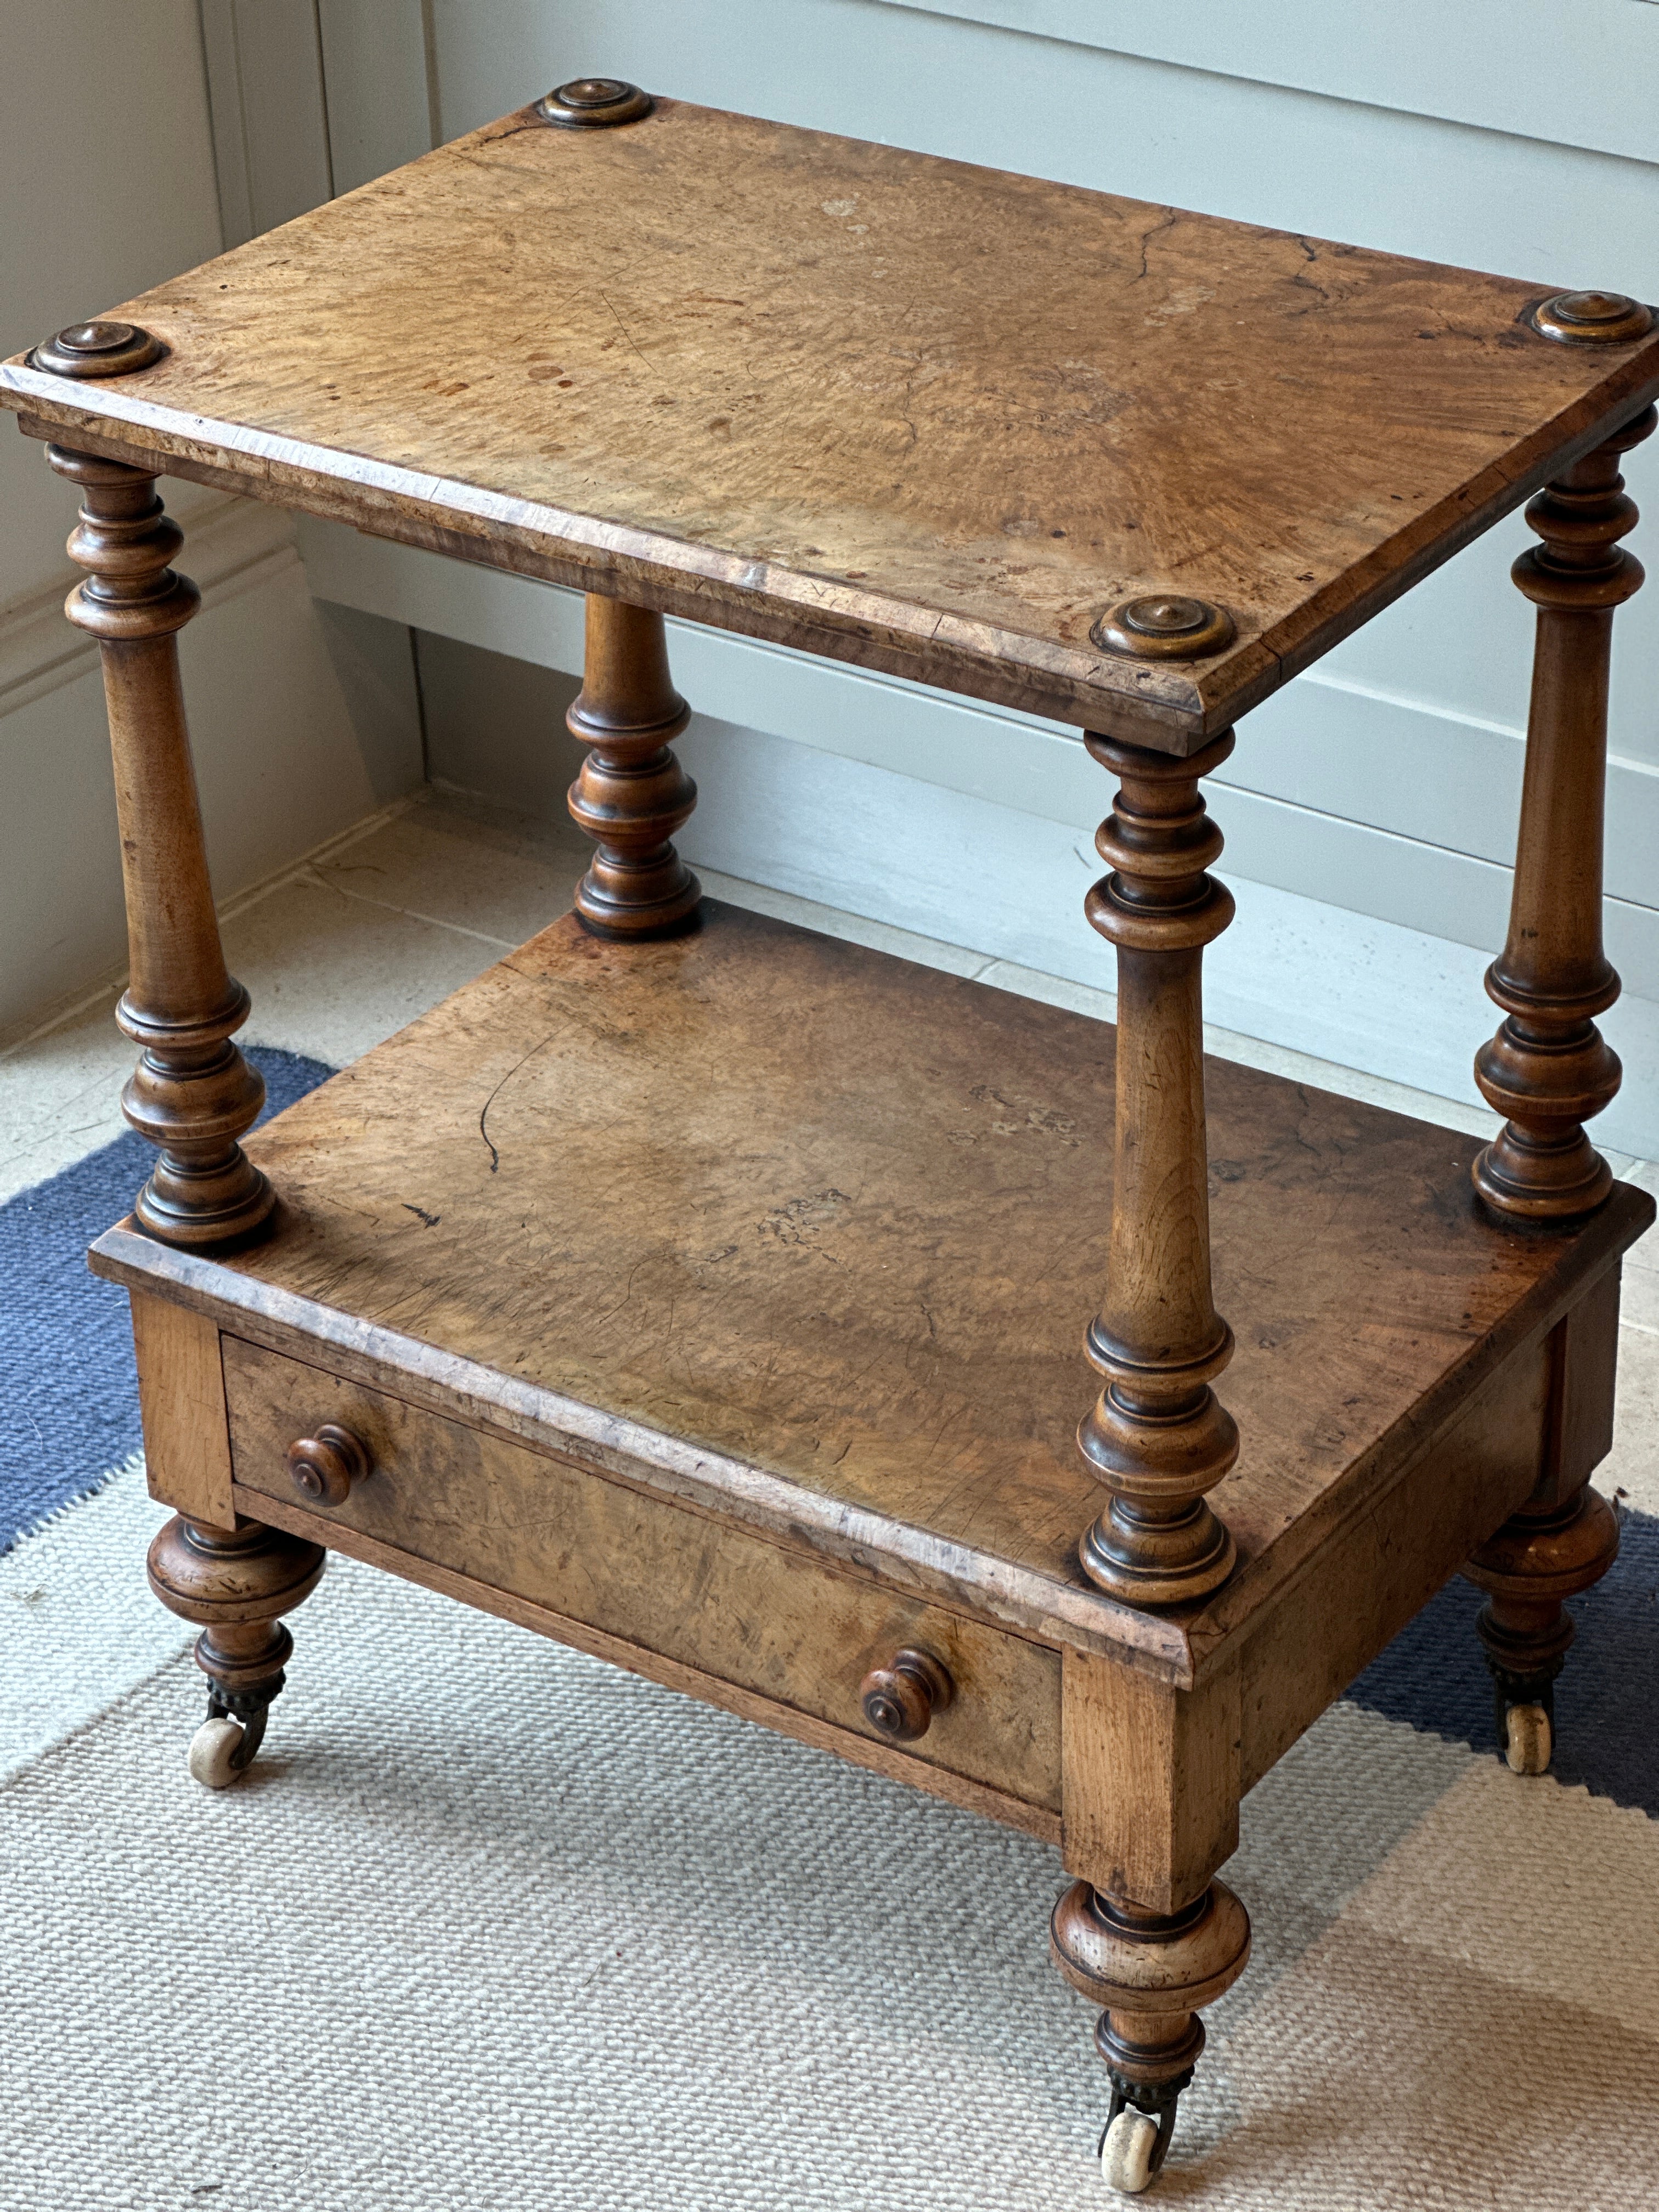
x=1548, y=1070
x=235, y=1584
x=1157, y=1438
x=1151, y=1974
x=192, y=1094
x=632, y=794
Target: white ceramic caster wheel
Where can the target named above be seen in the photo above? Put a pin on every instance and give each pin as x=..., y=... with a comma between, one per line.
x=1530, y=1743
x=1126, y=2154
x=211, y=1750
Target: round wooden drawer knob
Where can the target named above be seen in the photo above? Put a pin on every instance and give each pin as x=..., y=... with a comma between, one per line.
x=322, y=1467
x=901, y=1698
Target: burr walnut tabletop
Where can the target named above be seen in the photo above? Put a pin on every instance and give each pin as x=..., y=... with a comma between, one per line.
x=933, y=419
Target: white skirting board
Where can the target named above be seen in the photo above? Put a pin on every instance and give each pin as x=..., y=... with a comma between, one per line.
x=913, y=808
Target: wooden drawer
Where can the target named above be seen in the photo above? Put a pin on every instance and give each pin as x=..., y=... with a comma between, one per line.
x=661, y=1577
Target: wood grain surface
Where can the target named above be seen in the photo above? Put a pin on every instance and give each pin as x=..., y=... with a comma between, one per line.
x=834, y=1224
x=928, y=417
x=1152, y=1781
x=858, y=1750
x=773, y=1620
x=181, y=1400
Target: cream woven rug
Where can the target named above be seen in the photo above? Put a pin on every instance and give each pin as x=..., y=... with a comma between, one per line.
x=492, y=1925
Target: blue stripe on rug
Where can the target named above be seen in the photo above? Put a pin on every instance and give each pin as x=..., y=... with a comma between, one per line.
x=1433, y=1675
x=66, y=1368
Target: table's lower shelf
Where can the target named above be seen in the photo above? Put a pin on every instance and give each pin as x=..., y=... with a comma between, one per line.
x=726, y=1295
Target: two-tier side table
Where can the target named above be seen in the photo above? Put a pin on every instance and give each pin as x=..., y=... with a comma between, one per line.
x=713, y=1296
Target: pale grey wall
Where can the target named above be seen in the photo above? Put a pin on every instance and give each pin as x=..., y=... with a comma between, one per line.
x=106, y=185
x=304, y=718
x=494, y=724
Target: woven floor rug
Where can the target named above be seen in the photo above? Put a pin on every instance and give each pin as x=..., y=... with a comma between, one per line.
x=492, y=1925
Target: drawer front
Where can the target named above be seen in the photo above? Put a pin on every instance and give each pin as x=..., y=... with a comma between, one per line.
x=657, y=1574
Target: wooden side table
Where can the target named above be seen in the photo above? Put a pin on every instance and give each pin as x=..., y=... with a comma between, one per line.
x=706, y=1293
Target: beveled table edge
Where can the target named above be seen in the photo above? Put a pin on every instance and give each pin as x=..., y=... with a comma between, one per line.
x=821, y=616
x=674, y=575
x=1183, y=1650
x=980, y=1583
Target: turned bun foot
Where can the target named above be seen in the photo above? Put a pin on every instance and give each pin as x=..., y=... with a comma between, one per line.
x=1152, y=1972
x=235, y=1583
x=1534, y=1563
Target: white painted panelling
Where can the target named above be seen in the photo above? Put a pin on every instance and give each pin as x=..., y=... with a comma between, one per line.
x=270, y=135
x=1305, y=844
x=1324, y=163
x=303, y=720
x=232, y=542
x=1346, y=987
x=1578, y=72
x=374, y=63
x=106, y=182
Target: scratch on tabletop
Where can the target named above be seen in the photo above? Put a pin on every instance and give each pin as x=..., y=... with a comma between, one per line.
x=484, y=1114
x=627, y=333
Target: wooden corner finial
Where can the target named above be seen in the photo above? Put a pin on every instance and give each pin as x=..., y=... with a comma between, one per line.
x=1164, y=626
x=98, y=348
x=1591, y=319
x=594, y=103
